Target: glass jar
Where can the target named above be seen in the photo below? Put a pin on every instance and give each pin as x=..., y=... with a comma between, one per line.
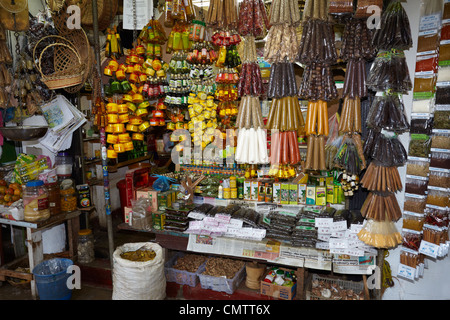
x=54, y=198
x=85, y=246
x=63, y=164
x=35, y=201
x=68, y=196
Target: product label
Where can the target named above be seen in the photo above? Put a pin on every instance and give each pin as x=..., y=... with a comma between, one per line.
x=43, y=204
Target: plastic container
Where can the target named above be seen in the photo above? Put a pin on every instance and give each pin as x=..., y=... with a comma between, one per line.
x=86, y=252
x=221, y=284
x=63, y=164
x=51, y=279
x=35, y=201
x=182, y=277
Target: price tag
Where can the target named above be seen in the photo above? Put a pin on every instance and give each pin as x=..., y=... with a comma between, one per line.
x=338, y=226
x=405, y=271
x=323, y=237
x=338, y=243
x=429, y=249
x=323, y=222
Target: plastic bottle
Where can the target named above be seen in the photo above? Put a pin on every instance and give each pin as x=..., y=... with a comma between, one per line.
x=220, y=191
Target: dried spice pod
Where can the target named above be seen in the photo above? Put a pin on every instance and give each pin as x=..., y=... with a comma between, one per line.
x=315, y=154
x=349, y=156
x=253, y=20
x=357, y=41
x=355, y=79
x=388, y=112
x=317, y=44
x=282, y=80
x=281, y=44
x=386, y=150
x=285, y=115
x=315, y=9
x=395, y=29
x=380, y=234
x=250, y=81
x=389, y=72
x=222, y=14
x=317, y=83
x=284, y=12
x=379, y=178
x=381, y=207
x=350, y=116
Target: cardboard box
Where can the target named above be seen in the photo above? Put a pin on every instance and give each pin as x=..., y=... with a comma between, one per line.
x=277, y=291
x=301, y=194
x=285, y=193
x=158, y=220
x=330, y=194
x=247, y=190
x=135, y=179
x=255, y=190
x=164, y=200
x=276, y=189
x=321, y=196
x=261, y=191
x=310, y=194
x=293, y=193
x=148, y=193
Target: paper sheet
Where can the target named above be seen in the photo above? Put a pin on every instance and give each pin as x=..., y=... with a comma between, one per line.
x=144, y=12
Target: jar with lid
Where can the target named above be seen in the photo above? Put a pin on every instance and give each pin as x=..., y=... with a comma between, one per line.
x=35, y=201
x=68, y=196
x=85, y=246
x=54, y=198
x=63, y=164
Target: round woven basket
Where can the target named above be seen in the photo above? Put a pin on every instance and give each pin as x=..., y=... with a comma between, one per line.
x=106, y=9
x=68, y=68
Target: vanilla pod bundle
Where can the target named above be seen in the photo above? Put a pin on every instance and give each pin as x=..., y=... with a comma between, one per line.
x=357, y=41
x=388, y=112
x=317, y=44
x=395, y=29
x=389, y=71
x=386, y=150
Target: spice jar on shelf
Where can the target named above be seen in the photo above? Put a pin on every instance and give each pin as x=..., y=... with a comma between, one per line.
x=68, y=196
x=54, y=198
x=85, y=246
x=35, y=201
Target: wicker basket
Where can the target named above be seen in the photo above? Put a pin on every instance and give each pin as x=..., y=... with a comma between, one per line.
x=68, y=66
x=106, y=9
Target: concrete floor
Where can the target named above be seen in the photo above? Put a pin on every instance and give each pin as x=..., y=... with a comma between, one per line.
x=88, y=291
x=10, y=292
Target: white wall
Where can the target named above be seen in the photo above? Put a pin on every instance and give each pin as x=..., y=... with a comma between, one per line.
x=435, y=284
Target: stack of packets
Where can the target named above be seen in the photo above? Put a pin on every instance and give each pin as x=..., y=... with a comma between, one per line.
x=230, y=221
x=340, y=237
x=28, y=167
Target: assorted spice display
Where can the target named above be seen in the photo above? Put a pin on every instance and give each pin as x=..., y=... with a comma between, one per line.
x=254, y=83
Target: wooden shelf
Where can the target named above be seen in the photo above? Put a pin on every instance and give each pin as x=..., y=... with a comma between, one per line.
x=127, y=163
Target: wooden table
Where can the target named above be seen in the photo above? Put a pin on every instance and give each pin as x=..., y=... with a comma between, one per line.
x=35, y=245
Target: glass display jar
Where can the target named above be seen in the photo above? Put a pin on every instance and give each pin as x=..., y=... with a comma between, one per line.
x=85, y=246
x=54, y=198
x=68, y=196
x=35, y=201
x=63, y=164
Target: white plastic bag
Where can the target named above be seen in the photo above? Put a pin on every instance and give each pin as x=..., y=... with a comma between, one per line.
x=134, y=280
